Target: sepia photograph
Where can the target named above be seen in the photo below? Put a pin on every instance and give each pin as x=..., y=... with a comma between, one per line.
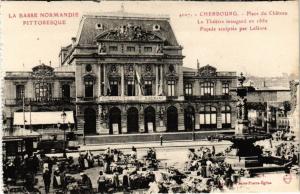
x=150, y=97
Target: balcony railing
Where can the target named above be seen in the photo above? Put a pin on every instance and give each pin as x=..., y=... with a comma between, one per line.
x=208, y=98
x=38, y=101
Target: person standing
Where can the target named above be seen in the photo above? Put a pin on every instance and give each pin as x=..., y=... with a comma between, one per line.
x=125, y=181
x=47, y=179
x=116, y=181
x=213, y=152
x=101, y=183
x=87, y=183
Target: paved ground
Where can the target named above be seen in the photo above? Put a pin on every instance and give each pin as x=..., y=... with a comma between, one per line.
x=170, y=154
x=175, y=154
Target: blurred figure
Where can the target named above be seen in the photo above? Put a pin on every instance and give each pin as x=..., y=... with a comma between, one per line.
x=47, y=179
x=101, y=183
x=86, y=183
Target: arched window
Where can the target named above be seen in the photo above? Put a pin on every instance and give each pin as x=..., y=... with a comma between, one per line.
x=208, y=117
x=226, y=116
x=43, y=90
x=207, y=88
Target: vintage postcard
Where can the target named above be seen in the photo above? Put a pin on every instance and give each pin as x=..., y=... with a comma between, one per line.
x=150, y=97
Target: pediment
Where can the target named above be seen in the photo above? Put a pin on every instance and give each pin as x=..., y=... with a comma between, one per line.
x=129, y=33
x=42, y=71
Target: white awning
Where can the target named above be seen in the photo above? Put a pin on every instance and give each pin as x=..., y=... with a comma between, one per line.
x=42, y=118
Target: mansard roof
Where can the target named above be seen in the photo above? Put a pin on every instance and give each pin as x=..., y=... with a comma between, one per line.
x=93, y=25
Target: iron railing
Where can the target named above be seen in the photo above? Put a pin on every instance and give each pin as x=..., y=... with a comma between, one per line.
x=39, y=101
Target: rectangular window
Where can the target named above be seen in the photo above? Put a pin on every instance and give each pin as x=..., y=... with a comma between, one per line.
x=130, y=88
x=213, y=118
x=223, y=117
x=20, y=91
x=207, y=89
x=188, y=90
x=65, y=91
x=207, y=118
x=114, y=88
x=171, y=88
x=113, y=48
x=148, y=88
x=147, y=49
x=89, y=89
x=202, y=119
x=131, y=49
x=43, y=91
x=225, y=88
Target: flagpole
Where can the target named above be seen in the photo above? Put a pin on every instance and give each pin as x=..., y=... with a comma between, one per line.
x=23, y=112
x=30, y=118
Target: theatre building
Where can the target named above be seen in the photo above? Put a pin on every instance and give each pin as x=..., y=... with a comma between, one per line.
x=124, y=74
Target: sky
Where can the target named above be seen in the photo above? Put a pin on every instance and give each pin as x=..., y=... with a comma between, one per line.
x=269, y=52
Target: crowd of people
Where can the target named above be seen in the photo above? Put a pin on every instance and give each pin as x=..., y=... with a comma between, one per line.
x=204, y=171
x=21, y=170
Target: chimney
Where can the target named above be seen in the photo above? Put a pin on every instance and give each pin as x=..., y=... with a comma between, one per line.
x=264, y=84
x=73, y=40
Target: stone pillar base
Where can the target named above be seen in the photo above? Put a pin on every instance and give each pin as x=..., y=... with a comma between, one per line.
x=124, y=130
x=161, y=129
x=79, y=132
x=241, y=127
x=103, y=130
x=180, y=128
x=243, y=162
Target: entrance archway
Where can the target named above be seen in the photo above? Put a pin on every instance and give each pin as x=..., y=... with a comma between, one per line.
x=189, y=118
x=149, y=119
x=132, y=120
x=172, y=119
x=89, y=121
x=114, y=121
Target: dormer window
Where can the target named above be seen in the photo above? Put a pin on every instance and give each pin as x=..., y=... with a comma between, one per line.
x=88, y=68
x=171, y=68
x=99, y=26
x=130, y=49
x=113, y=48
x=156, y=27
x=147, y=49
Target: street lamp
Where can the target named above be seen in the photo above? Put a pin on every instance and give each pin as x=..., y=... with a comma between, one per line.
x=69, y=127
x=193, y=126
x=63, y=116
x=83, y=122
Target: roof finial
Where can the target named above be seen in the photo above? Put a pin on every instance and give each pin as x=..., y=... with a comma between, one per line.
x=50, y=63
x=198, y=64
x=122, y=8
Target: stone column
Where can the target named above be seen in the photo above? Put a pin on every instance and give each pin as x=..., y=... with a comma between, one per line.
x=104, y=79
x=124, y=122
x=122, y=80
x=180, y=120
x=197, y=121
x=98, y=124
x=141, y=122
x=219, y=118
x=156, y=80
x=161, y=79
x=80, y=124
x=99, y=80
x=160, y=122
